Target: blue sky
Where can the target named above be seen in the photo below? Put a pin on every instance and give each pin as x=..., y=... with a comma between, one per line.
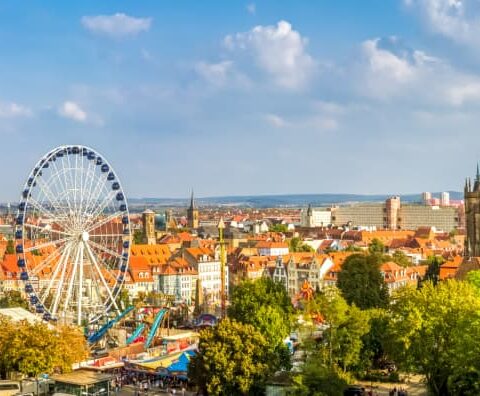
x=238, y=98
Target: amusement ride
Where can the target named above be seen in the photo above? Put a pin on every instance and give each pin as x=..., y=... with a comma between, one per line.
x=73, y=236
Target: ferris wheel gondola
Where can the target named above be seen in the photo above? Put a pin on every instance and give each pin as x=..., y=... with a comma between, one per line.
x=72, y=236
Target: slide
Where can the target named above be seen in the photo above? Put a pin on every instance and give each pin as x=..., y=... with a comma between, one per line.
x=135, y=334
x=156, y=323
x=107, y=326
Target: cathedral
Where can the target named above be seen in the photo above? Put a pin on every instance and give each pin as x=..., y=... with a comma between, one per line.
x=472, y=216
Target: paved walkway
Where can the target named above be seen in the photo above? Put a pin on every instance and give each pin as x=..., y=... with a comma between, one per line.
x=129, y=390
x=414, y=387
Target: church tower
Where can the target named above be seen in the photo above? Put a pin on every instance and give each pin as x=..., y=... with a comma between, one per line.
x=472, y=216
x=149, y=227
x=192, y=214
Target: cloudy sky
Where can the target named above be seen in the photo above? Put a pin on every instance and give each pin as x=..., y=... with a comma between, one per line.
x=237, y=98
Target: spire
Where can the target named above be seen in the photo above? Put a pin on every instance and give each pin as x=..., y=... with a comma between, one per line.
x=309, y=210
x=477, y=177
x=192, y=202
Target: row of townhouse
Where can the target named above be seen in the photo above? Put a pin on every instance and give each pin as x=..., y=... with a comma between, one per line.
x=152, y=268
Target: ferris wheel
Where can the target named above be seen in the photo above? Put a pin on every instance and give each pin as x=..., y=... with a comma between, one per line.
x=72, y=236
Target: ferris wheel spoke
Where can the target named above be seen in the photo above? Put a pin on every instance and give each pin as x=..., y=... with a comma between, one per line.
x=119, y=236
x=64, y=174
x=48, y=194
x=72, y=276
x=105, y=250
x=88, y=189
x=104, y=282
x=104, y=221
x=44, y=230
x=99, y=187
x=44, y=245
x=61, y=265
x=80, y=286
x=48, y=260
x=42, y=209
x=98, y=210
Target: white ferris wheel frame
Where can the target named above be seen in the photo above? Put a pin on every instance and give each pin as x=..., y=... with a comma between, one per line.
x=79, y=200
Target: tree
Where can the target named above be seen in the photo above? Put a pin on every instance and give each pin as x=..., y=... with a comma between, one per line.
x=13, y=299
x=296, y=245
x=232, y=358
x=249, y=296
x=10, y=249
x=401, y=259
x=137, y=237
x=265, y=305
x=434, y=330
x=345, y=327
x=376, y=246
x=362, y=283
x=433, y=271
x=473, y=277
x=33, y=348
x=279, y=228
x=317, y=378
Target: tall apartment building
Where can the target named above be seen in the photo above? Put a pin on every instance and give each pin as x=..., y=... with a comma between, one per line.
x=393, y=215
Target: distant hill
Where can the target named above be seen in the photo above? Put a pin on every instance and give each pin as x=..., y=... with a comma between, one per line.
x=284, y=200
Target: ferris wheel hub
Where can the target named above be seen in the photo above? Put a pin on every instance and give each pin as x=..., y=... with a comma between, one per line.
x=85, y=236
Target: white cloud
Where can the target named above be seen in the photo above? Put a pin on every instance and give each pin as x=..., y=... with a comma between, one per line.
x=276, y=121
x=388, y=69
x=117, y=25
x=214, y=73
x=464, y=92
x=251, y=8
x=458, y=20
x=72, y=111
x=279, y=51
x=14, y=110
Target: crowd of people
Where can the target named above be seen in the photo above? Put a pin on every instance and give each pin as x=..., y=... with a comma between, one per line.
x=143, y=382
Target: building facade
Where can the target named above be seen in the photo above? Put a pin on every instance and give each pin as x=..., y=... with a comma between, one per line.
x=148, y=218
x=316, y=217
x=472, y=216
x=393, y=215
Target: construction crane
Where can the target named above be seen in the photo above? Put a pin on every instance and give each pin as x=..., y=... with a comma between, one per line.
x=221, y=227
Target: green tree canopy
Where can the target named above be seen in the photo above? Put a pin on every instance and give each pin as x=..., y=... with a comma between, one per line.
x=296, y=245
x=361, y=281
x=13, y=299
x=376, y=246
x=232, y=359
x=10, y=249
x=401, y=259
x=434, y=331
x=249, y=296
x=33, y=348
x=345, y=327
x=433, y=271
x=473, y=277
x=283, y=228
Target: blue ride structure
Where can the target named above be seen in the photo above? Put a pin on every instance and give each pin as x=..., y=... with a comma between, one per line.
x=155, y=325
x=98, y=335
x=135, y=334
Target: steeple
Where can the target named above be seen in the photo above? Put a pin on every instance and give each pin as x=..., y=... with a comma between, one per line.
x=476, y=185
x=192, y=214
x=192, y=202
x=309, y=210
